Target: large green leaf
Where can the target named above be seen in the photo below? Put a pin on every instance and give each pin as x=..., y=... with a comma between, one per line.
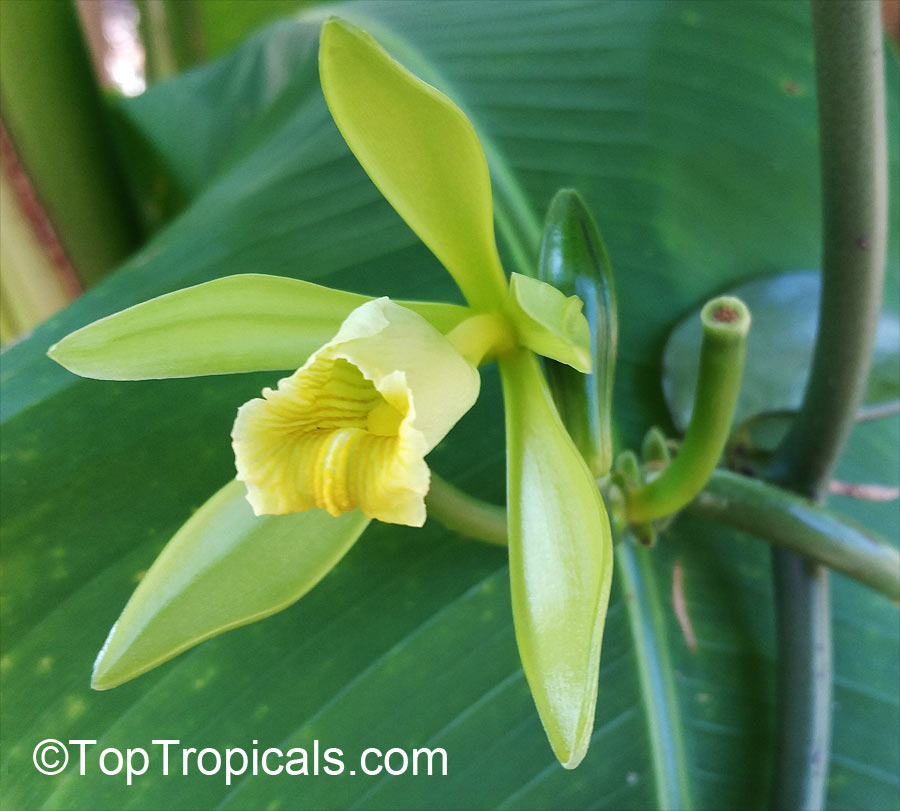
x=690, y=130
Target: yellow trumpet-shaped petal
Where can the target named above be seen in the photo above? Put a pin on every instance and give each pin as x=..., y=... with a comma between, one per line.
x=351, y=427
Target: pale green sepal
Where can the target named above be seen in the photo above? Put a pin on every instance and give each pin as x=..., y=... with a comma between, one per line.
x=560, y=559
x=420, y=151
x=244, y=323
x=223, y=568
x=548, y=322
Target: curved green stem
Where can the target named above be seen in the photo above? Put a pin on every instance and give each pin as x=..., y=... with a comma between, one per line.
x=725, y=324
x=849, y=73
x=798, y=525
x=460, y=512
x=787, y=521
x=850, y=85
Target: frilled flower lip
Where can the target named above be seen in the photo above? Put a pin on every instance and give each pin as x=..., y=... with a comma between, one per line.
x=351, y=427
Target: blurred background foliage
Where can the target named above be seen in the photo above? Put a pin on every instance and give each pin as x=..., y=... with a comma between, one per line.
x=75, y=198
x=181, y=140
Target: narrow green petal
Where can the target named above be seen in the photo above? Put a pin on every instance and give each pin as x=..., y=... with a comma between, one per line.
x=549, y=322
x=560, y=559
x=420, y=151
x=224, y=568
x=244, y=323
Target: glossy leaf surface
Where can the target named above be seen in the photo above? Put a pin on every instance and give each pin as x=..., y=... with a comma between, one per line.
x=245, y=323
x=224, y=568
x=560, y=559
x=690, y=130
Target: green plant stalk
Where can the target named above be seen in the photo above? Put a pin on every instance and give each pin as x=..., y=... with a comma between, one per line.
x=782, y=519
x=647, y=617
x=849, y=72
x=460, y=512
x=792, y=522
x=53, y=112
x=725, y=324
x=804, y=682
x=850, y=85
x=184, y=23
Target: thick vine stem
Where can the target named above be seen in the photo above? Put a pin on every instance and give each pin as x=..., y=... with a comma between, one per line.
x=850, y=83
x=726, y=322
x=793, y=523
x=849, y=72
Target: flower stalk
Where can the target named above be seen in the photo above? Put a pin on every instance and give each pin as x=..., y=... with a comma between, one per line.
x=726, y=322
x=465, y=514
x=785, y=520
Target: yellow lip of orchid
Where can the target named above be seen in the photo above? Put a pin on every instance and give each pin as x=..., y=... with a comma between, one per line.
x=351, y=427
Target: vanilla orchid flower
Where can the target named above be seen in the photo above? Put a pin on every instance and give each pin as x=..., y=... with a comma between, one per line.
x=351, y=427
x=343, y=439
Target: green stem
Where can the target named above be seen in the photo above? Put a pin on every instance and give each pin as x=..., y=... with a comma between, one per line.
x=850, y=84
x=785, y=520
x=465, y=514
x=57, y=121
x=798, y=525
x=849, y=71
x=804, y=679
x=725, y=325
x=647, y=616
x=172, y=35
